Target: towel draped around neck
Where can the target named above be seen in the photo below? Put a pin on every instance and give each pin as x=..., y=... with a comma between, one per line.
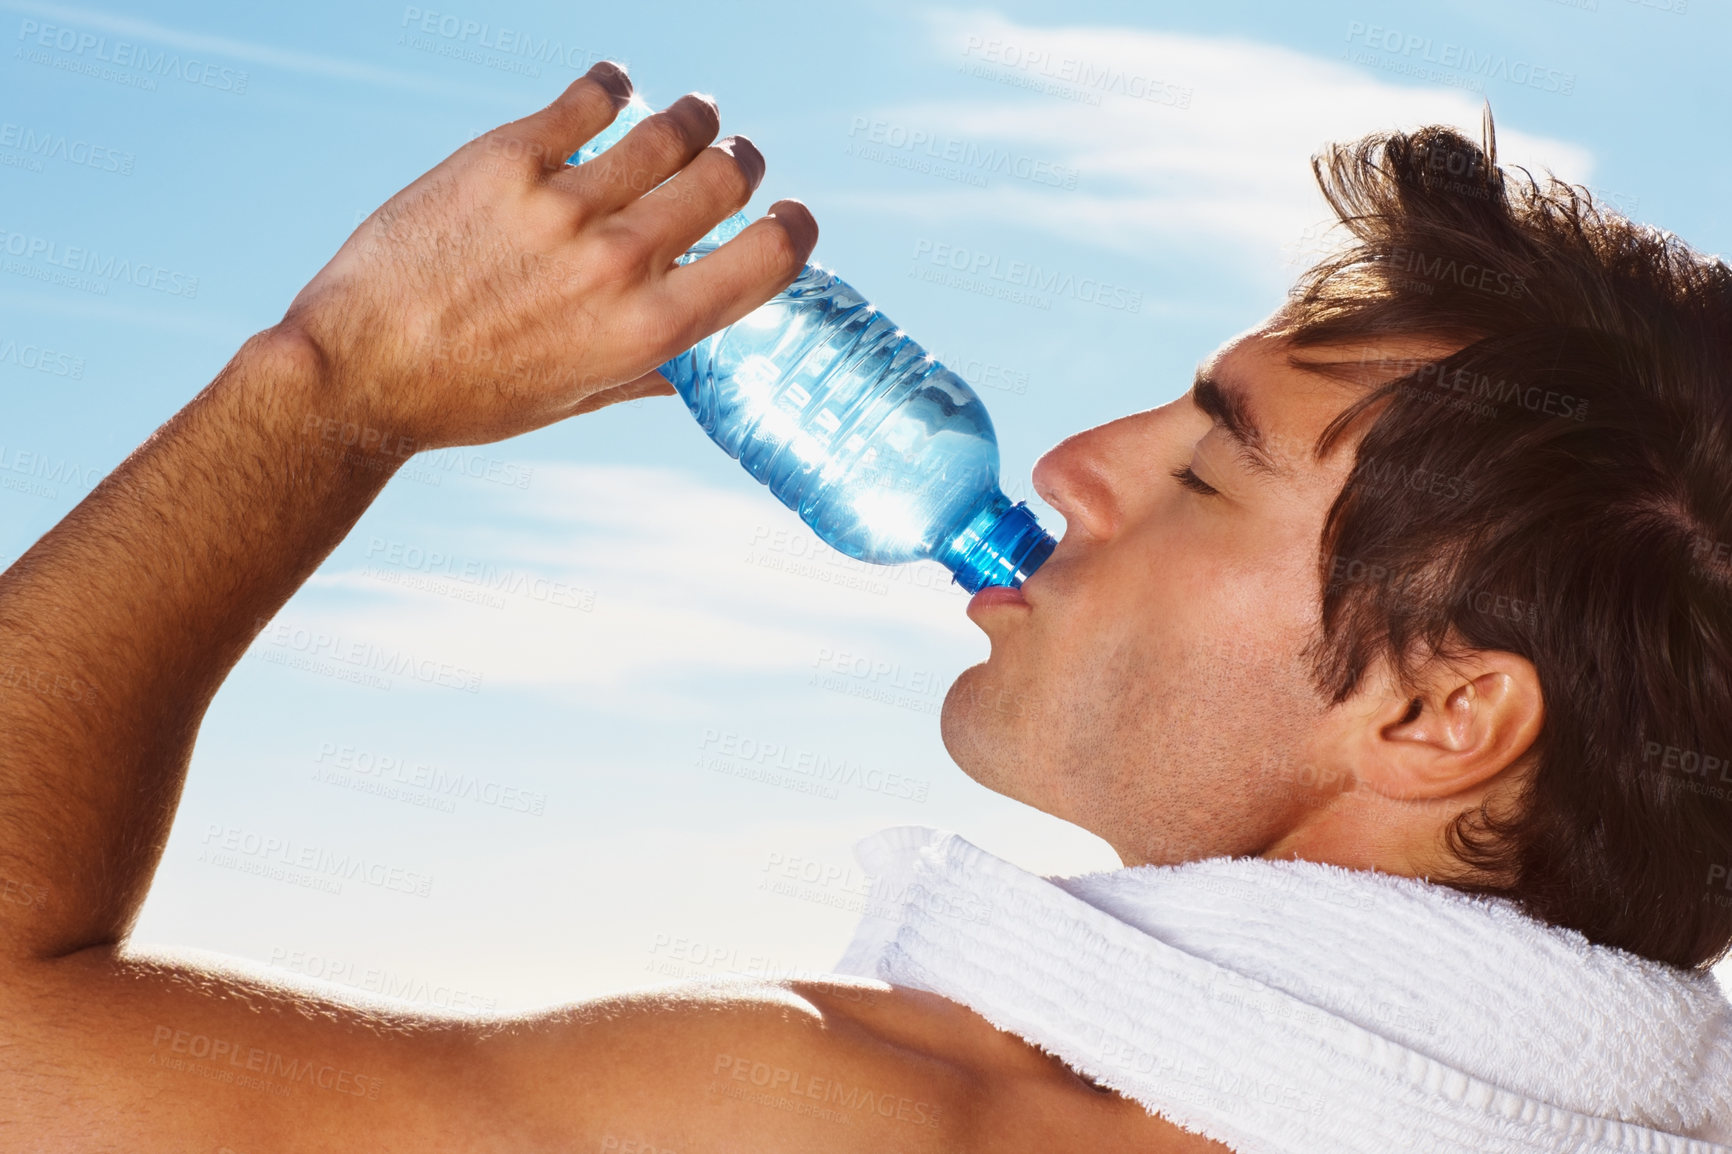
x=1291, y=1007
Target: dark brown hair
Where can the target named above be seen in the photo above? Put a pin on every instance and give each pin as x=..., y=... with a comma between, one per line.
x=1554, y=481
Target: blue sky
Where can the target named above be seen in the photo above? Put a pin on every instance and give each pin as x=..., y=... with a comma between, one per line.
x=646, y=655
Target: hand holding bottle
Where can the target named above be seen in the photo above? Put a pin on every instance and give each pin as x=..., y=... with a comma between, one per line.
x=505, y=290
x=889, y=456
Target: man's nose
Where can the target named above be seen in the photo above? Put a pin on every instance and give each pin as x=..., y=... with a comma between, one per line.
x=1073, y=477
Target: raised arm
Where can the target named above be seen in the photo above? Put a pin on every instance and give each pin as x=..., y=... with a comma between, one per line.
x=118, y=626
x=557, y=284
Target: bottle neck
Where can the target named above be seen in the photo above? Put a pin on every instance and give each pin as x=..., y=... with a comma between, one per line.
x=1002, y=545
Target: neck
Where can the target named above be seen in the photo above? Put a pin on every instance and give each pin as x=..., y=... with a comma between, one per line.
x=1364, y=830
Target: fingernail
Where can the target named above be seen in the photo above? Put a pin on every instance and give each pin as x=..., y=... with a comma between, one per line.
x=613, y=78
x=797, y=219
x=705, y=98
x=746, y=155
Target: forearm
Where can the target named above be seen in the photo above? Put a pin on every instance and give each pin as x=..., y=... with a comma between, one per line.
x=117, y=627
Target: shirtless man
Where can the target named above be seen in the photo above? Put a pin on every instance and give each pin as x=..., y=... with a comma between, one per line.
x=1187, y=524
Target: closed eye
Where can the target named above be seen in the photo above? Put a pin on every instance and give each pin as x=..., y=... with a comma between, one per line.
x=1194, y=483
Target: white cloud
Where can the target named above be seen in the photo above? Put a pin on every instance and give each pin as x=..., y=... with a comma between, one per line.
x=689, y=581
x=1233, y=165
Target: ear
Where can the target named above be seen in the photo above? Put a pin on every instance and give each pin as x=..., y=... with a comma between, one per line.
x=1468, y=720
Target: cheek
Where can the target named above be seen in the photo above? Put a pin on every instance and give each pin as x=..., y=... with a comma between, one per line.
x=1172, y=623
x=1222, y=642
x=1264, y=591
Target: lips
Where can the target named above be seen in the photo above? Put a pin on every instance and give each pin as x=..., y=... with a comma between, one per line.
x=995, y=595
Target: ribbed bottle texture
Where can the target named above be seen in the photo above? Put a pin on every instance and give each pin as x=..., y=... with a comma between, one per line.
x=889, y=456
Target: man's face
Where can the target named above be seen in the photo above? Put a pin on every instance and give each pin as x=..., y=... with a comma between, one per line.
x=1152, y=688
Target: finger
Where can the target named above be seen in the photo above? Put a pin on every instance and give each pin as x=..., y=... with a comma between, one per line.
x=651, y=384
x=719, y=289
x=660, y=146
x=586, y=107
x=717, y=184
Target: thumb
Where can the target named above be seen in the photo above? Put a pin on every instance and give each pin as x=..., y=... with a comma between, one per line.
x=651, y=384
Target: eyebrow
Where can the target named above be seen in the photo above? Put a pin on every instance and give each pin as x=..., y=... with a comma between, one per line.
x=1227, y=408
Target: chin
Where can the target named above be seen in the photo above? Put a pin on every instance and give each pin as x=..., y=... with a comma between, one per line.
x=985, y=736
x=975, y=737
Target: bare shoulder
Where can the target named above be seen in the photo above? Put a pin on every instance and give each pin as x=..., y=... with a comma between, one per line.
x=102, y=1051
x=1018, y=1097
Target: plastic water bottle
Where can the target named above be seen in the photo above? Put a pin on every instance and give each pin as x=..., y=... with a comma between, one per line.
x=888, y=455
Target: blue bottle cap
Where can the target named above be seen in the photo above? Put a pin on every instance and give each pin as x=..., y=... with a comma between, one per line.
x=1011, y=547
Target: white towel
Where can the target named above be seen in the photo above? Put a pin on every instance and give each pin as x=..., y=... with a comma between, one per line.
x=1292, y=1008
